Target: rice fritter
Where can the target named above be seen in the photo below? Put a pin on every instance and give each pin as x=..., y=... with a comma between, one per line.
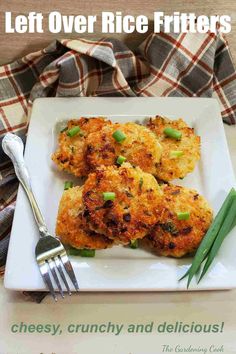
x=179, y=157
x=70, y=153
x=136, y=198
x=183, y=222
x=140, y=147
x=70, y=226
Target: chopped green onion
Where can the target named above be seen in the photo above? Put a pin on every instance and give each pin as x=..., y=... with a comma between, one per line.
x=119, y=136
x=133, y=244
x=74, y=251
x=172, y=133
x=120, y=159
x=87, y=253
x=176, y=153
x=83, y=253
x=68, y=185
x=73, y=131
x=109, y=196
x=211, y=235
x=184, y=215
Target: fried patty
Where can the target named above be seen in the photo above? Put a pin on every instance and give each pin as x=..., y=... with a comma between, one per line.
x=70, y=153
x=140, y=148
x=70, y=226
x=134, y=210
x=175, y=167
x=173, y=237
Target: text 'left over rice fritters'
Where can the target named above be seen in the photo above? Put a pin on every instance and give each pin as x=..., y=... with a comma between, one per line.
x=137, y=144
x=70, y=226
x=71, y=144
x=121, y=203
x=182, y=224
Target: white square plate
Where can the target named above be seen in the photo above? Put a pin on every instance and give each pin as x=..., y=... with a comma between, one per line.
x=119, y=268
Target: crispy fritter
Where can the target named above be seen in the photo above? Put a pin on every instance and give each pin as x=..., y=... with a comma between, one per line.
x=134, y=210
x=175, y=167
x=70, y=153
x=173, y=237
x=141, y=147
x=70, y=225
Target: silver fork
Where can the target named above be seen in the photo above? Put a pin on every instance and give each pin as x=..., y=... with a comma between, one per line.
x=49, y=252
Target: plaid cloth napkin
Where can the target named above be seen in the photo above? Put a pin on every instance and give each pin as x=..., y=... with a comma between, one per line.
x=180, y=65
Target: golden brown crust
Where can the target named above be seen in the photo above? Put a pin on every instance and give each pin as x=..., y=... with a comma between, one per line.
x=70, y=153
x=70, y=225
x=141, y=147
x=171, y=168
x=173, y=237
x=133, y=212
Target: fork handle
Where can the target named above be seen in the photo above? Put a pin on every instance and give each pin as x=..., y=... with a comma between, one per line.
x=13, y=147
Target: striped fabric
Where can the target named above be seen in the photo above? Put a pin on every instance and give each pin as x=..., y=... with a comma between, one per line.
x=180, y=65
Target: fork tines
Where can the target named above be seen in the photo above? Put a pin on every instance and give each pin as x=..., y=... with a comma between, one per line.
x=53, y=267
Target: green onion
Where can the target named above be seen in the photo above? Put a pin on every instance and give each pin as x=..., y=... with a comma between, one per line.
x=185, y=275
x=210, y=236
x=173, y=133
x=234, y=224
x=73, y=131
x=83, y=253
x=184, y=215
x=120, y=159
x=119, y=136
x=68, y=185
x=109, y=196
x=74, y=251
x=133, y=244
x=87, y=253
x=176, y=153
x=225, y=229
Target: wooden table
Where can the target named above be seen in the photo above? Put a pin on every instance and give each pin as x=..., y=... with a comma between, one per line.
x=13, y=46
